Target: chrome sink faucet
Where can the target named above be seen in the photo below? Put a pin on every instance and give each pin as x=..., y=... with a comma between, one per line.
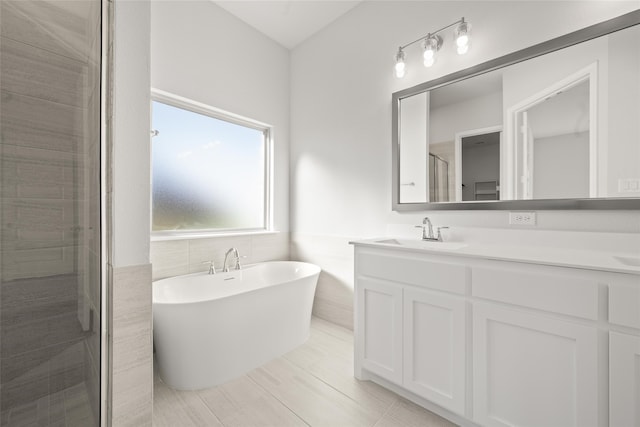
x=235, y=253
x=427, y=231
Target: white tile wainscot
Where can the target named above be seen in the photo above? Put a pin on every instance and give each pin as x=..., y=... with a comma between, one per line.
x=499, y=341
x=132, y=351
x=175, y=257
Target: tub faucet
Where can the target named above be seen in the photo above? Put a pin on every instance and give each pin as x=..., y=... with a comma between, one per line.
x=235, y=253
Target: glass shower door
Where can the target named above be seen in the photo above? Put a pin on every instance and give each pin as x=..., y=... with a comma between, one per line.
x=50, y=285
x=438, y=179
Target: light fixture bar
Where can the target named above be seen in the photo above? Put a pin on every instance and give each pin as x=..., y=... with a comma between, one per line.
x=432, y=43
x=432, y=33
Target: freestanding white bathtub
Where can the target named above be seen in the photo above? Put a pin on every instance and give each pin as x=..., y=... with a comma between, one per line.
x=208, y=329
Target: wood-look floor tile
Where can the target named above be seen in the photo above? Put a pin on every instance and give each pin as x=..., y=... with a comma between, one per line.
x=311, y=385
x=407, y=414
x=242, y=403
x=321, y=345
x=332, y=329
x=331, y=360
x=317, y=403
x=180, y=408
x=333, y=371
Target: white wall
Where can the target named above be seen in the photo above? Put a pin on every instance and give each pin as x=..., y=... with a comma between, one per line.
x=471, y=114
x=201, y=52
x=624, y=123
x=341, y=82
x=131, y=134
x=130, y=338
x=413, y=149
x=555, y=155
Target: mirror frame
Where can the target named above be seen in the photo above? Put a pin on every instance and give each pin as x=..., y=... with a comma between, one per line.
x=601, y=29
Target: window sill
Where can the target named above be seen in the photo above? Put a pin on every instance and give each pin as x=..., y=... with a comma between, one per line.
x=194, y=236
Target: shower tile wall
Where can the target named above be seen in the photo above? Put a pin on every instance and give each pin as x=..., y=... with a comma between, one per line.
x=49, y=175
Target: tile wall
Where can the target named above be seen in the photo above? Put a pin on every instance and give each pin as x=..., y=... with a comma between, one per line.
x=132, y=351
x=176, y=257
x=334, y=294
x=50, y=286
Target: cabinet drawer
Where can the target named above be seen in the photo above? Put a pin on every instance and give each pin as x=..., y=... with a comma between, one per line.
x=624, y=300
x=414, y=271
x=546, y=288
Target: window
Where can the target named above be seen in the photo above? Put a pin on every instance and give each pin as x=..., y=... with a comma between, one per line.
x=210, y=170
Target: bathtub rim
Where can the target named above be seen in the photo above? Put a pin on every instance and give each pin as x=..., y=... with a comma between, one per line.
x=204, y=273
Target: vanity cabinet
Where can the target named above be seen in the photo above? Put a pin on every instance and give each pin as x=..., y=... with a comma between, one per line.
x=498, y=342
x=434, y=347
x=624, y=352
x=408, y=331
x=531, y=364
x=531, y=369
x=624, y=379
x=380, y=320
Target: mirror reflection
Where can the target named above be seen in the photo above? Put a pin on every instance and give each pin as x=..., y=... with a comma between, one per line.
x=564, y=125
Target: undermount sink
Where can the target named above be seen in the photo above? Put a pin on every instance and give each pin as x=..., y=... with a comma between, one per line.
x=424, y=244
x=630, y=261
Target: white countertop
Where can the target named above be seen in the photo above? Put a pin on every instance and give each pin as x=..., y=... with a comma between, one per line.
x=563, y=257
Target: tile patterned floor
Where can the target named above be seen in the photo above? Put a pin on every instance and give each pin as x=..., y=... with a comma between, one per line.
x=312, y=385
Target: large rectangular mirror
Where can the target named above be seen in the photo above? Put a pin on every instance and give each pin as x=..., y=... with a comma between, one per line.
x=554, y=126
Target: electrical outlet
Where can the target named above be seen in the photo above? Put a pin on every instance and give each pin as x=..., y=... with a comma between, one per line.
x=522, y=218
x=631, y=185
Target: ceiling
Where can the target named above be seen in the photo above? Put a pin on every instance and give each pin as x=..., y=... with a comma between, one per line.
x=288, y=22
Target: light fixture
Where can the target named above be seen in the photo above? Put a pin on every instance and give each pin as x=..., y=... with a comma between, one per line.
x=400, y=66
x=431, y=44
x=462, y=37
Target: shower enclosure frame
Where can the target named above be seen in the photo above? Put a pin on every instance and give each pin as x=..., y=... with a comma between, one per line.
x=106, y=185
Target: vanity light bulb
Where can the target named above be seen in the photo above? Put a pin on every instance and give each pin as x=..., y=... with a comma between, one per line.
x=430, y=47
x=400, y=69
x=428, y=62
x=429, y=57
x=428, y=54
x=462, y=37
x=462, y=40
x=400, y=65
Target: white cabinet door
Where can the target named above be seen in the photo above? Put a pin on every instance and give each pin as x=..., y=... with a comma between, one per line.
x=533, y=370
x=624, y=380
x=379, y=328
x=434, y=347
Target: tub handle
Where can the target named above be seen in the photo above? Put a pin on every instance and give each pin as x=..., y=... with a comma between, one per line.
x=212, y=267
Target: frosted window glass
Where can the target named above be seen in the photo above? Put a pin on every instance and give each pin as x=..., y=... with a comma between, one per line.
x=207, y=173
